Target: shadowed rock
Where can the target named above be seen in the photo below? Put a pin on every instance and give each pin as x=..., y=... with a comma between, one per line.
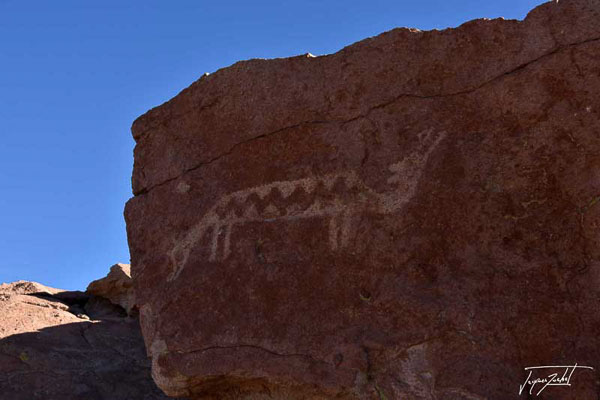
x=52, y=348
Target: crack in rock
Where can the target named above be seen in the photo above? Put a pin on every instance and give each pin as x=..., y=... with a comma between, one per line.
x=399, y=97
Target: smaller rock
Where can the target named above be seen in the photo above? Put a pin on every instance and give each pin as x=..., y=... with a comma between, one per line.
x=50, y=349
x=117, y=287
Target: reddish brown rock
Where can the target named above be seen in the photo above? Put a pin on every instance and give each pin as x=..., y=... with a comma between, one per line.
x=413, y=217
x=117, y=287
x=54, y=347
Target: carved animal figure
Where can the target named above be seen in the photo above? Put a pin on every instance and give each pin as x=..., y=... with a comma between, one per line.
x=344, y=196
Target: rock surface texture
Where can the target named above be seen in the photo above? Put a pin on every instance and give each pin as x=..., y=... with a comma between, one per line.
x=414, y=217
x=117, y=287
x=57, y=345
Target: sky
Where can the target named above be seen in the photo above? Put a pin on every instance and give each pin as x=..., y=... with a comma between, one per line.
x=74, y=75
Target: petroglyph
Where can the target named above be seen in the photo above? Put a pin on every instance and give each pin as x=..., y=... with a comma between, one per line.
x=339, y=196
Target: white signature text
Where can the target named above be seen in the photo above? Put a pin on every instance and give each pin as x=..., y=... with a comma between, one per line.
x=560, y=375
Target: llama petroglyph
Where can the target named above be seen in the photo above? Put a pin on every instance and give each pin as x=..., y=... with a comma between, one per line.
x=338, y=196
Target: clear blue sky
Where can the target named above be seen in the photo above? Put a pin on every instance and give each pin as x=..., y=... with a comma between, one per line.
x=75, y=74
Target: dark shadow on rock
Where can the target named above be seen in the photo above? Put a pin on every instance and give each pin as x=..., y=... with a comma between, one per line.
x=84, y=304
x=99, y=308
x=69, y=298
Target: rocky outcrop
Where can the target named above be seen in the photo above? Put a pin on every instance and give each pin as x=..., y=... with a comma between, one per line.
x=117, y=287
x=413, y=217
x=57, y=345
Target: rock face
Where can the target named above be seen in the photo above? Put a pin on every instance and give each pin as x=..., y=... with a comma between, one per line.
x=57, y=345
x=414, y=217
x=117, y=287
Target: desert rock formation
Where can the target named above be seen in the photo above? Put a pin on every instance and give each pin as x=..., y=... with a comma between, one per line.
x=57, y=345
x=413, y=217
x=117, y=287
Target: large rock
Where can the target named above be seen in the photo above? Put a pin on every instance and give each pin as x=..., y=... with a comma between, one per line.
x=52, y=348
x=117, y=287
x=413, y=217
